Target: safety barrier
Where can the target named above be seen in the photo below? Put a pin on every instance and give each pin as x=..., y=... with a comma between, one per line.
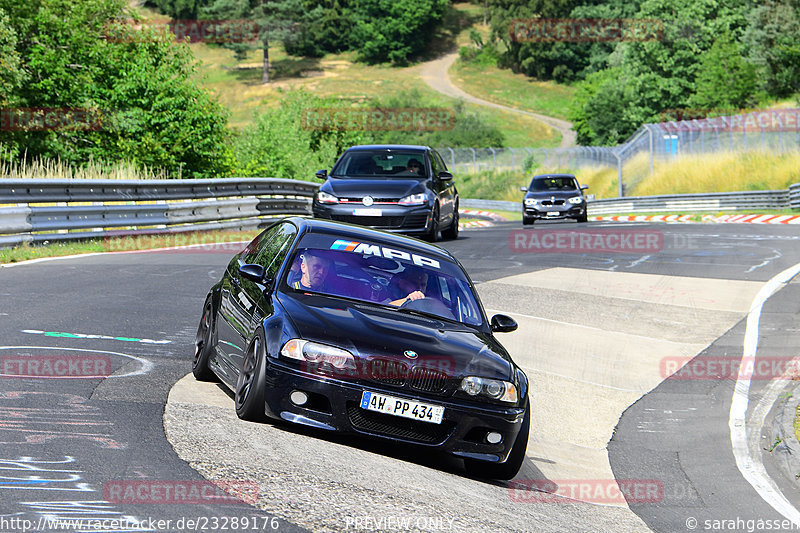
x=58, y=210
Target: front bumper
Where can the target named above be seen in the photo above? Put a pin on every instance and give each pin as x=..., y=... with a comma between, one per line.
x=554, y=212
x=393, y=217
x=334, y=404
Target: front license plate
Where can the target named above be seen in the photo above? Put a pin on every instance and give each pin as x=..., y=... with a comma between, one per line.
x=390, y=405
x=367, y=212
x=553, y=213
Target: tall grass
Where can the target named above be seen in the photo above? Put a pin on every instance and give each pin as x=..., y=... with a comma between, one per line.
x=718, y=172
x=40, y=168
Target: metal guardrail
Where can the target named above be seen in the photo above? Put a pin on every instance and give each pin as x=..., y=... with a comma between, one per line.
x=794, y=196
x=723, y=201
x=118, y=207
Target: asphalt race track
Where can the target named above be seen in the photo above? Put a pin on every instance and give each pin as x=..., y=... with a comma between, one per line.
x=129, y=439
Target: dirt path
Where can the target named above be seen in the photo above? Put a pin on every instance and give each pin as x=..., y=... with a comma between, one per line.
x=435, y=74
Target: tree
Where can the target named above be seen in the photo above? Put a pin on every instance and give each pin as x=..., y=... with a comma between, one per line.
x=725, y=80
x=772, y=42
x=10, y=62
x=139, y=83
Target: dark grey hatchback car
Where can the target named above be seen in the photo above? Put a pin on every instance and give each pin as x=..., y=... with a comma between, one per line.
x=397, y=188
x=553, y=197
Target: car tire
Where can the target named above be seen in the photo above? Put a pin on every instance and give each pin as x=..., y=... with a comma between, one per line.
x=451, y=233
x=204, y=345
x=526, y=221
x=432, y=235
x=583, y=218
x=250, y=385
x=516, y=457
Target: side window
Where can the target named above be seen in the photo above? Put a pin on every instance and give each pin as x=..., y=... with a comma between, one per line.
x=434, y=165
x=251, y=251
x=272, y=253
x=439, y=159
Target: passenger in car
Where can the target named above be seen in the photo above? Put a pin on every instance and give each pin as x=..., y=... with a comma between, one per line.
x=414, y=167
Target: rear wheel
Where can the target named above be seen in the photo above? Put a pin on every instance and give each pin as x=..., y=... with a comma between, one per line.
x=452, y=232
x=510, y=468
x=432, y=234
x=249, y=393
x=203, y=345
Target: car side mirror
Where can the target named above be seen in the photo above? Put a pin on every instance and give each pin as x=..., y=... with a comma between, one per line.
x=445, y=176
x=503, y=324
x=255, y=273
x=321, y=174
x=584, y=187
x=523, y=189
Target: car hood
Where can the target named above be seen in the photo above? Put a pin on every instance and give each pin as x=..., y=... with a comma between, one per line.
x=377, y=188
x=558, y=195
x=371, y=332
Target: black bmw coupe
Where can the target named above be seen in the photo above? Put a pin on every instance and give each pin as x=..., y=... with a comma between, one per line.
x=349, y=329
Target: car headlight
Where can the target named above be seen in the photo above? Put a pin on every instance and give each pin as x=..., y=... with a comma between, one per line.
x=491, y=388
x=413, y=199
x=575, y=200
x=325, y=198
x=315, y=352
x=531, y=201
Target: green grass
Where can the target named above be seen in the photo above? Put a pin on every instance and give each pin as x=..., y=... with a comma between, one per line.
x=55, y=168
x=502, y=86
x=27, y=252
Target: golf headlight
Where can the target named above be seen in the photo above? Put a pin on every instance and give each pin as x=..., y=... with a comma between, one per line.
x=491, y=388
x=314, y=352
x=575, y=200
x=413, y=199
x=325, y=198
x=531, y=201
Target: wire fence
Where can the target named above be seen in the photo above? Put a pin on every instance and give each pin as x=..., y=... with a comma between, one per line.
x=776, y=130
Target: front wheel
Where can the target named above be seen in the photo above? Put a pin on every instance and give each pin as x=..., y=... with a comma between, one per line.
x=203, y=345
x=451, y=233
x=250, y=385
x=583, y=218
x=432, y=235
x=510, y=468
x=526, y=221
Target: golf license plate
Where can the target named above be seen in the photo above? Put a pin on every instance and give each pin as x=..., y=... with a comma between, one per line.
x=367, y=212
x=390, y=405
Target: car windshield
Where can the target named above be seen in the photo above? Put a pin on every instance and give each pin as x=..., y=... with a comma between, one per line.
x=380, y=164
x=377, y=274
x=553, y=184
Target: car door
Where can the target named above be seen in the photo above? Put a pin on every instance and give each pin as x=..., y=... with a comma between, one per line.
x=233, y=318
x=445, y=189
x=248, y=303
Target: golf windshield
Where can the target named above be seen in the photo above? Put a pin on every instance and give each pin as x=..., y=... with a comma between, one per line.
x=381, y=164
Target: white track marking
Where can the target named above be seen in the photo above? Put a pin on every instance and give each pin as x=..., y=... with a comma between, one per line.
x=751, y=466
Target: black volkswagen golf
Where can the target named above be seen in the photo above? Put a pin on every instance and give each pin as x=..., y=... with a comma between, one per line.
x=553, y=197
x=359, y=331
x=397, y=188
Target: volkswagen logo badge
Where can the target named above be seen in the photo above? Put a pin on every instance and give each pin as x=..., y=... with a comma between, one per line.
x=410, y=354
x=367, y=201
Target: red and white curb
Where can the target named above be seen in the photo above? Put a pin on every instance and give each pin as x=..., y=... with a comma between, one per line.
x=489, y=218
x=714, y=219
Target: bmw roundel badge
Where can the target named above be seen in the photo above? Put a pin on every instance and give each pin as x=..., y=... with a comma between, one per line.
x=410, y=354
